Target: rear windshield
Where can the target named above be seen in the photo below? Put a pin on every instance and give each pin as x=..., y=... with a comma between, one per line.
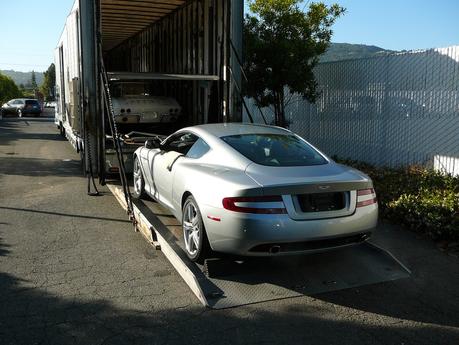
x=275, y=149
x=31, y=102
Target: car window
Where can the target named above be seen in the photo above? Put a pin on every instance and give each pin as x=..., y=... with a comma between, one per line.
x=275, y=149
x=181, y=143
x=199, y=149
x=31, y=102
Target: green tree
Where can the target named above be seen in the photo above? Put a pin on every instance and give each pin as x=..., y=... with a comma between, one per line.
x=33, y=80
x=282, y=46
x=8, y=89
x=49, y=81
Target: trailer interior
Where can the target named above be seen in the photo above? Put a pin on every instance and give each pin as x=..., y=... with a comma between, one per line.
x=180, y=54
x=154, y=66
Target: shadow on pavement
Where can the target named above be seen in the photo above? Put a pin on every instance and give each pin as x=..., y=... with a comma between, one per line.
x=12, y=129
x=3, y=247
x=29, y=314
x=430, y=296
x=63, y=214
x=8, y=131
x=34, y=136
x=39, y=167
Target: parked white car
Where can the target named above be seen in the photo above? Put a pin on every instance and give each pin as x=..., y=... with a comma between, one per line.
x=22, y=106
x=133, y=103
x=51, y=104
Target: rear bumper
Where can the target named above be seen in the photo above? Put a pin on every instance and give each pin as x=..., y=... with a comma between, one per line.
x=312, y=246
x=31, y=111
x=254, y=235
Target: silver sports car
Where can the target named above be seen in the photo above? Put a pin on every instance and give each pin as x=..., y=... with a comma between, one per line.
x=254, y=190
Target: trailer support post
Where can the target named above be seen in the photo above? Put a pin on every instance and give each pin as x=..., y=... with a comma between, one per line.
x=234, y=45
x=90, y=112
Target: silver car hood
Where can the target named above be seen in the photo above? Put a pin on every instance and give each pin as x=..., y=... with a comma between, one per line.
x=309, y=179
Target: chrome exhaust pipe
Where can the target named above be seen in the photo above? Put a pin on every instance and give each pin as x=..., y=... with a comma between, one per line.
x=274, y=249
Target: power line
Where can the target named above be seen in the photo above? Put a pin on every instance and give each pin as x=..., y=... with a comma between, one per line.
x=25, y=53
x=22, y=64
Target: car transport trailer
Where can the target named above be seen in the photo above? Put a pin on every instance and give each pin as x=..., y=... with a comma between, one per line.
x=168, y=64
x=131, y=70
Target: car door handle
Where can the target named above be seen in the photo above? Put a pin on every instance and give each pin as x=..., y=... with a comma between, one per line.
x=169, y=167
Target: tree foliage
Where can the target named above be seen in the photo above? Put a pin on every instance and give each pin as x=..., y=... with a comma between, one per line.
x=282, y=46
x=49, y=81
x=8, y=89
x=33, y=80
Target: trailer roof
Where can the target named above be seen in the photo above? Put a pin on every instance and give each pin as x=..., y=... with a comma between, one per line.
x=121, y=19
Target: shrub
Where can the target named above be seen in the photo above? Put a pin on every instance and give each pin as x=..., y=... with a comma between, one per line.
x=8, y=89
x=422, y=199
x=434, y=212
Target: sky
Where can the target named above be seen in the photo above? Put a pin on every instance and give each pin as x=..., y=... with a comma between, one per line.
x=30, y=29
x=398, y=24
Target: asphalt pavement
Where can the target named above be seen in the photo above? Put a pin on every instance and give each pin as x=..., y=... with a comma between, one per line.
x=73, y=271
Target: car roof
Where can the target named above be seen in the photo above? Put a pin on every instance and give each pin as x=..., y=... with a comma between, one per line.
x=225, y=129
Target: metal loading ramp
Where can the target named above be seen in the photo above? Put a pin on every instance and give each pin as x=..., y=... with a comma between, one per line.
x=225, y=283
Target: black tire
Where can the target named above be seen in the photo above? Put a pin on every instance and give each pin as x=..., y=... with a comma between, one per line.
x=197, y=246
x=139, y=182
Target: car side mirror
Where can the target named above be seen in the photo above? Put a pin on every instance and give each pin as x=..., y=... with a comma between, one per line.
x=152, y=143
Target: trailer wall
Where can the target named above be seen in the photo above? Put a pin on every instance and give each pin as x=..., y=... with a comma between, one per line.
x=68, y=72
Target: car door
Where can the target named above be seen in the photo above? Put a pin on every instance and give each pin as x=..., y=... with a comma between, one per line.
x=19, y=104
x=173, y=149
x=11, y=105
x=181, y=177
x=147, y=159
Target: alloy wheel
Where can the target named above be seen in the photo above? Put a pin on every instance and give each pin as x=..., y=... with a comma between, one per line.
x=137, y=178
x=191, y=229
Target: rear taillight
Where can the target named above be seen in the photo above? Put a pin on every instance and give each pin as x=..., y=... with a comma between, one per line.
x=256, y=204
x=366, y=197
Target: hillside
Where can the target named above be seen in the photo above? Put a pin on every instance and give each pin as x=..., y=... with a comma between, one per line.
x=23, y=77
x=345, y=51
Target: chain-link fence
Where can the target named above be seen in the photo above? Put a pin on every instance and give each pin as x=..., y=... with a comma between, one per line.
x=391, y=110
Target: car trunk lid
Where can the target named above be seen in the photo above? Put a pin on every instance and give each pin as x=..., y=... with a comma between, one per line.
x=312, y=192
